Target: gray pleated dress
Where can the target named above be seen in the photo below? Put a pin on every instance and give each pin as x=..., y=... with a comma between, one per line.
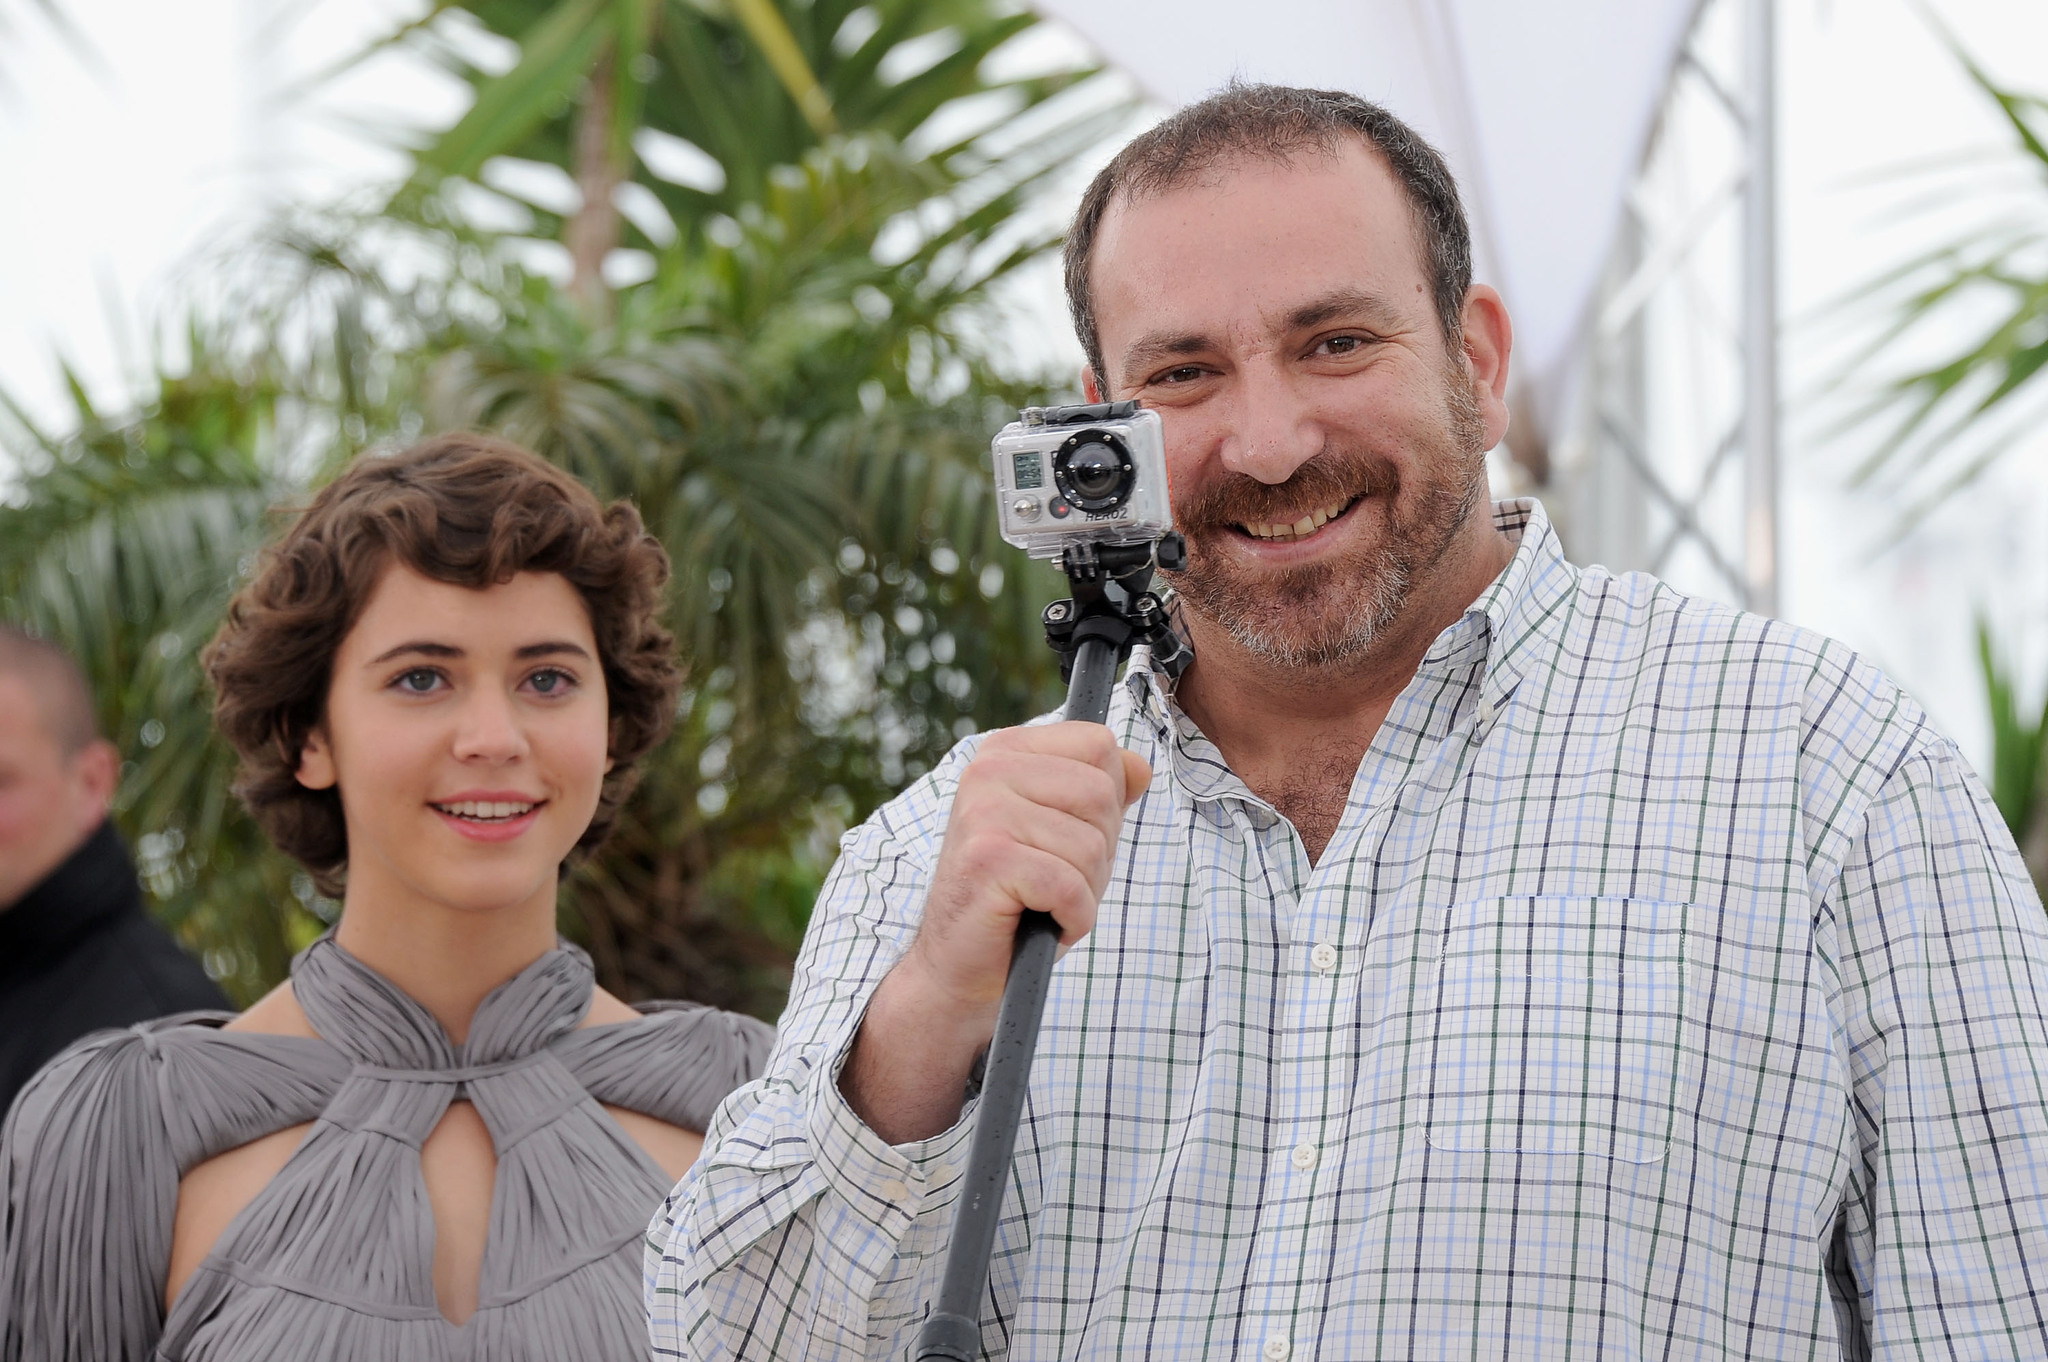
x=333, y=1259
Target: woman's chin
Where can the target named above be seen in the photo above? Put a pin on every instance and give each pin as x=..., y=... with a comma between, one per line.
x=499, y=889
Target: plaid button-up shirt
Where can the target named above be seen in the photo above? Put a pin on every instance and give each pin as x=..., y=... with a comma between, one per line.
x=1670, y=989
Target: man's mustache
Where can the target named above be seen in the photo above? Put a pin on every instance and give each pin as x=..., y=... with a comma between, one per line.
x=1324, y=481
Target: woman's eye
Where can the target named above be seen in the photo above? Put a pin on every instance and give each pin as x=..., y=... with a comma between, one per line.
x=419, y=681
x=551, y=682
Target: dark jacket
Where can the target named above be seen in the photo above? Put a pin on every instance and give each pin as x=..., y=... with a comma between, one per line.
x=77, y=955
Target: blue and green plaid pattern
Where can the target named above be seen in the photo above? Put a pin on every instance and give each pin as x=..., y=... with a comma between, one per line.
x=1669, y=990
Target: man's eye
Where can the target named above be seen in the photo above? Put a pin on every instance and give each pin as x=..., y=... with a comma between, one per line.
x=1342, y=345
x=1187, y=373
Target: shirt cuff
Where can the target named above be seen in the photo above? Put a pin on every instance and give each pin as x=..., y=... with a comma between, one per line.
x=887, y=1184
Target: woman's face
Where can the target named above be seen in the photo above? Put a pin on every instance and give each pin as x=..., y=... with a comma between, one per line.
x=466, y=732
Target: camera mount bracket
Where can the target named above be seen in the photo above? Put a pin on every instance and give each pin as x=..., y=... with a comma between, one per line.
x=1111, y=603
x=1093, y=631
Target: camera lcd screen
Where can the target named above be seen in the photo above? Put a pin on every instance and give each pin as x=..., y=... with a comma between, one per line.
x=1029, y=469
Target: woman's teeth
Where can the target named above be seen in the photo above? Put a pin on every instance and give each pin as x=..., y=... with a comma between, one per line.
x=1307, y=525
x=485, y=809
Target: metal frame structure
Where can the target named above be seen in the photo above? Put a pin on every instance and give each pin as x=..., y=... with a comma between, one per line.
x=1681, y=379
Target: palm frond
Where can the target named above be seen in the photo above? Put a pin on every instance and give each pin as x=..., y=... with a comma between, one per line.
x=1937, y=415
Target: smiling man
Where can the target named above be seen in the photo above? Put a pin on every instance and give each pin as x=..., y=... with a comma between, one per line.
x=1473, y=955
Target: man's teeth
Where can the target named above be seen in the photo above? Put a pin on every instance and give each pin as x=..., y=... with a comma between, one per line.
x=1307, y=525
x=485, y=808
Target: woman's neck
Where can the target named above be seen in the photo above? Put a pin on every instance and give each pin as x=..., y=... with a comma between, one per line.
x=447, y=959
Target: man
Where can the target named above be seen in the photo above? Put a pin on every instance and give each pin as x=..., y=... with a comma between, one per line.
x=76, y=952
x=1499, y=959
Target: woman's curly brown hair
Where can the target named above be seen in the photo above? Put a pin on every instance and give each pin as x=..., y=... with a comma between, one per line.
x=464, y=509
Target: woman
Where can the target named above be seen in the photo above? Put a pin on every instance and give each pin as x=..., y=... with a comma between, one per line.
x=438, y=1139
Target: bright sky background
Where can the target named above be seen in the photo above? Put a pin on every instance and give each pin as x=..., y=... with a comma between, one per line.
x=127, y=175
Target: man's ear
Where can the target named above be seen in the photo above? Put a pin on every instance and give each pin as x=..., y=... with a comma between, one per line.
x=1488, y=339
x=1091, y=388
x=316, y=762
x=99, y=775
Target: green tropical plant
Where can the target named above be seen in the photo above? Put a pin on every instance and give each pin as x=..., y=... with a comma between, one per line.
x=1951, y=419
x=798, y=397
x=2019, y=757
x=122, y=539
x=620, y=92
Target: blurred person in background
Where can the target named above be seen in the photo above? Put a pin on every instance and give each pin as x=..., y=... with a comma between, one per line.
x=1470, y=955
x=439, y=1138
x=77, y=952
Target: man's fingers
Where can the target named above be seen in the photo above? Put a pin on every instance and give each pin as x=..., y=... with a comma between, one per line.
x=1007, y=826
x=1047, y=883
x=1137, y=776
x=1084, y=791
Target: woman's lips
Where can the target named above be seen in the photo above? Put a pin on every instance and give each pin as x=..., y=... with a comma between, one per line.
x=489, y=830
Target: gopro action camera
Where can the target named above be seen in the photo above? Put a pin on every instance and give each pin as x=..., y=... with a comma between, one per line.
x=1094, y=473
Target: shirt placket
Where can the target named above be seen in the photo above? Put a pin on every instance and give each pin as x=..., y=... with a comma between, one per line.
x=1317, y=1057
x=1316, y=1065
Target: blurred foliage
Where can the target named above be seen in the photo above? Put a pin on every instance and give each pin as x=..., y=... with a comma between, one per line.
x=20, y=17
x=798, y=397
x=2019, y=758
x=122, y=539
x=1952, y=418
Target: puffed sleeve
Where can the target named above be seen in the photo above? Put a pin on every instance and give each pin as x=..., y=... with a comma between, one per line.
x=90, y=1181
x=90, y=1160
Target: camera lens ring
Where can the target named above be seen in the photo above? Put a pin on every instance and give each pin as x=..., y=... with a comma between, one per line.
x=1103, y=478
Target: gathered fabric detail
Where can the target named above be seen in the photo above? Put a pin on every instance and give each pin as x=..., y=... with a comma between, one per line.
x=333, y=1258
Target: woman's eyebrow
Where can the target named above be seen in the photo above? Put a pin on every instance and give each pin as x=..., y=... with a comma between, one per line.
x=552, y=649
x=422, y=648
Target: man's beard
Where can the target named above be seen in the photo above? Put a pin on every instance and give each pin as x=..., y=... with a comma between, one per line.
x=1330, y=613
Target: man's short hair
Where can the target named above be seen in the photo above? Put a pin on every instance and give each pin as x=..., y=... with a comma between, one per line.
x=57, y=684
x=1276, y=123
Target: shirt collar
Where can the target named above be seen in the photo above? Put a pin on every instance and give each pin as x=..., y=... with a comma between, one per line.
x=1519, y=612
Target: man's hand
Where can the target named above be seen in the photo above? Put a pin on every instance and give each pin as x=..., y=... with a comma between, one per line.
x=1034, y=825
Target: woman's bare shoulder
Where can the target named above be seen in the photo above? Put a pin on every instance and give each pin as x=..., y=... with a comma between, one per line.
x=276, y=1013
x=607, y=1009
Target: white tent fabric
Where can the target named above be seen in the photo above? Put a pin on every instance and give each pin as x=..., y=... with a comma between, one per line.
x=1542, y=107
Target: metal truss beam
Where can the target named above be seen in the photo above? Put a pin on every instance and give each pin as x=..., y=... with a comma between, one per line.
x=1636, y=496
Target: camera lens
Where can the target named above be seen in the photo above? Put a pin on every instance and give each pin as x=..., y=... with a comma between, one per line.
x=1093, y=470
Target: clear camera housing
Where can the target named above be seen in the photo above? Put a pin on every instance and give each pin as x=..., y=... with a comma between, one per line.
x=1093, y=474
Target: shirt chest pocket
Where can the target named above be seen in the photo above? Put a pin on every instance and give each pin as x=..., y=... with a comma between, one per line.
x=1555, y=1028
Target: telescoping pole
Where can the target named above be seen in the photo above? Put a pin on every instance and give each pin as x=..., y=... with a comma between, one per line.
x=952, y=1333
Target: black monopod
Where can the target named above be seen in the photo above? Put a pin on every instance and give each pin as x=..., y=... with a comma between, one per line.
x=1111, y=611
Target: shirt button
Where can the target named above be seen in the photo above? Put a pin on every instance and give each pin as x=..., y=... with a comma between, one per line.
x=1323, y=957
x=1304, y=1157
x=892, y=1190
x=1277, y=1348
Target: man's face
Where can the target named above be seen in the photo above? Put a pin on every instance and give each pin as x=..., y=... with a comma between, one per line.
x=1324, y=444
x=50, y=800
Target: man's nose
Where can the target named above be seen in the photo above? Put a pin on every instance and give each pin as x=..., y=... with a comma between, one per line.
x=489, y=728
x=1272, y=430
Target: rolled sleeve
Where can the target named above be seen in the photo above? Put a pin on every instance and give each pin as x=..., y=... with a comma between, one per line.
x=799, y=1219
